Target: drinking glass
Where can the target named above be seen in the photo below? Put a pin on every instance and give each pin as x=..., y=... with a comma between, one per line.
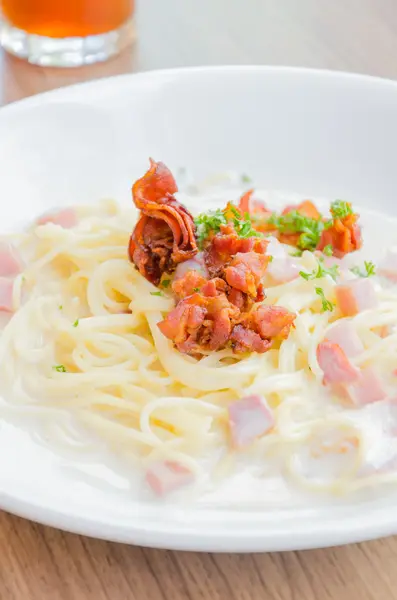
x=66, y=33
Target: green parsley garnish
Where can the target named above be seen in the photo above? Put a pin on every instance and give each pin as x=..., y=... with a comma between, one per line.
x=369, y=267
x=60, y=307
x=211, y=222
x=245, y=178
x=59, y=368
x=166, y=283
x=328, y=250
x=196, y=289
x=310, y=230
x=321, y=271
x=327, y=304
x=296, y=253
x=341, y=209
x=244, y=228
x=156, y=293
x=76, y=323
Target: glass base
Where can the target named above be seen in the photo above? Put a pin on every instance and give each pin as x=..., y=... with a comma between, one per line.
x=65, y=52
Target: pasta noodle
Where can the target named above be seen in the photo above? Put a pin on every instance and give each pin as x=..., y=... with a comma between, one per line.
x=84, y=341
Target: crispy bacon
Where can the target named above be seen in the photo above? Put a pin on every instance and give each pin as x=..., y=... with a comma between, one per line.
x=257, y=211
x=165, y=234
x=191, y=282
x=183, y=321
x=219, y=322
x=246, y=340
x=245, y=273
x=199, y=322
x=344, y=236
x=225, y=245
x=272, y=321
x=305, y=208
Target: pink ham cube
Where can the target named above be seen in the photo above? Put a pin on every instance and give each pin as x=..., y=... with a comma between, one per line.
x=249, y=418
x=166, y=476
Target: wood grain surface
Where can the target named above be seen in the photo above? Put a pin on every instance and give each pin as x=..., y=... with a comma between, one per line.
x=40, y=563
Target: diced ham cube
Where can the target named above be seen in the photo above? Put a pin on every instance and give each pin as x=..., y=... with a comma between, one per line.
x=10, y=261
x=282, y=270
x=367, y=389
x=344, y=334
x=335, y=365
x=249, y=418
x=6, y=289
x=65, y=217
x=275, y=248
x=355, y=296
x=166, y=476
x=388, y=265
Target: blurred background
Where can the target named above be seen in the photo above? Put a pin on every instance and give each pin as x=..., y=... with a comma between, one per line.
x=353, y=35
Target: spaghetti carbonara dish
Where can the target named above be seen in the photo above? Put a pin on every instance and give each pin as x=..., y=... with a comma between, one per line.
x=174, y=335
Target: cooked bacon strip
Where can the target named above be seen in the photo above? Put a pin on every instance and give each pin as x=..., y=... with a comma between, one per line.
x=344, y=236
x=249, y=418
x=209, y=320
x=200, y=322
x=247, y=340
x=305, y=208
x=225, y=245
x=164, y=235
x=257, y=211
x=245, y=273
x=273, y=321
x=191, y=282
x=184, y=321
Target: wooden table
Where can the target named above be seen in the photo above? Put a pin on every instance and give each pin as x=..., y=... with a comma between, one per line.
x=40, y=563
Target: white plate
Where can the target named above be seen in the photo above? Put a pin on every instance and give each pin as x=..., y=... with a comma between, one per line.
x=325, y=134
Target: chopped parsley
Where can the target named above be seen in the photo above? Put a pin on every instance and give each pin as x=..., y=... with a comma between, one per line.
x=166, y=283
x=321, y=271
x=341, y=209
x=60, y=368
x=246, y=178
x=196, y=289
x=60, y=307
x=369, y=267
x=156, y=293
x=310, y=229
x=244, y=228
x=328, y=250
x=211, y=222
x=327, y=304
x=75, y=324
